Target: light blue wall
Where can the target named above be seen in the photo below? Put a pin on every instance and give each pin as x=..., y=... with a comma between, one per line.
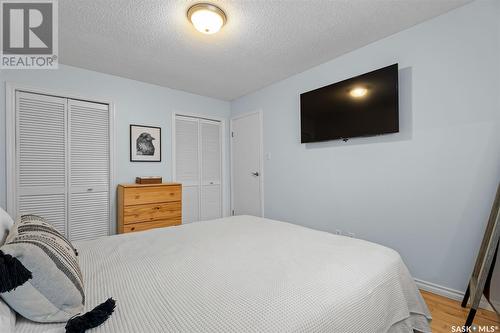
x=426, y=191
x=135, y=103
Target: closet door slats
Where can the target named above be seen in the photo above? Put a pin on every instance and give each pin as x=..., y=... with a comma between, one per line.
x=63, y=163
x=198, y=167
x=41, y=140
x=211, y=202
x=41, y=157
x=89, y=215
x=89, y=170
x=89, y=145
x=186, y=153
x=211, y=205
x=187, y=166
x=210, y=152
x=51, y=206
x=190, y=204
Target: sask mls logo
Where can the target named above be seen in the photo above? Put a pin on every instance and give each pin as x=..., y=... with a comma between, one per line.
x=29, y=34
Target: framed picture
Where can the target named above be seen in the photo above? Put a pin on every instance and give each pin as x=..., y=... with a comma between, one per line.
x=145, y=143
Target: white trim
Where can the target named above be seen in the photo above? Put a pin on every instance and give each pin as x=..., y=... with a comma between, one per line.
x=113, y=225
x=10, y=141
x=56, y=93
x=261, y=155
x=448, y=292
x=172, y=148
x=10, y=124
x=439, y=290
x=224, y=180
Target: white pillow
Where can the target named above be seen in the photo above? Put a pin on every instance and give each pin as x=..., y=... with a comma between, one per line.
x=7, y=315
x=54, y=290
x=6, y=223
x=7, y=318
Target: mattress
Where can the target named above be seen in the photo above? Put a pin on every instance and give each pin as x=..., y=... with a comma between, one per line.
x=246, y=274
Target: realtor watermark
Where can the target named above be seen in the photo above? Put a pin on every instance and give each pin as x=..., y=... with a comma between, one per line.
x=476, y=329
x=28, y=36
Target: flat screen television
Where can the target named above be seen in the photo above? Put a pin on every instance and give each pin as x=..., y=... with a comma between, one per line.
x=364, y=105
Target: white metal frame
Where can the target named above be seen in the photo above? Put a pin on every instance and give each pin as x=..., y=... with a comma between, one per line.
x=225, y=210
x=10, y=121
x=261, y=155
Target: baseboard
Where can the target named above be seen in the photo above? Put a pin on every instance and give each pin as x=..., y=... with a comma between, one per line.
x=439, y=290
x=448, y=292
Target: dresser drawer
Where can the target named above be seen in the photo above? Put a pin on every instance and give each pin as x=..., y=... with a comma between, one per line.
x=150, y=195
x=152, y=212
x=150, y=225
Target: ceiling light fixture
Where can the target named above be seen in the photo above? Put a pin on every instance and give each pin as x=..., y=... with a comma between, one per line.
x=206, y=18
x=358, y=92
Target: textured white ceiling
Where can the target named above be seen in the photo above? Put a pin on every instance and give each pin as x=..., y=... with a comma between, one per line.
x=263, y=41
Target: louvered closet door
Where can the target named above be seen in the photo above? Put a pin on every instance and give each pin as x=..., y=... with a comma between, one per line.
x=187, y=166
x=211, y=203
x=89, y=173
x=41, y=157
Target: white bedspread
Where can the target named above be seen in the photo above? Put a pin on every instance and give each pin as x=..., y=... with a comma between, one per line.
x=247, y=274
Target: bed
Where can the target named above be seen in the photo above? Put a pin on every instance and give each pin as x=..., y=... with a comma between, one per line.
x=246, y=274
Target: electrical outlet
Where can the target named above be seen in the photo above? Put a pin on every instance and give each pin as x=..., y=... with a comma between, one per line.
x=351, y=234
x=338, y=232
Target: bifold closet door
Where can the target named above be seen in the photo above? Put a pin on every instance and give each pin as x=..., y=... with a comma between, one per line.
x=198, y=167
x=63, y=163
x=211, y=203
x=41, y=182
x=187, y=162
x=89, y=174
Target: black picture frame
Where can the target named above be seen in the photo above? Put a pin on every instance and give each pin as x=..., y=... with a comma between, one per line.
x=151, y=130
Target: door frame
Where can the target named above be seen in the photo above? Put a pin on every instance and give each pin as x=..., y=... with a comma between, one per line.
x=224, y=180
x=261, y=155
x=10, y=142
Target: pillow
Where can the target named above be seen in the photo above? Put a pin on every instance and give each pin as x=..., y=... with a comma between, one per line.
x=40, y=277
x=55, y=292
x=7, y=318
x=6, y=223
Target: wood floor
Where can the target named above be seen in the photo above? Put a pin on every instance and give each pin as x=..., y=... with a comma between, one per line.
x=447, y=313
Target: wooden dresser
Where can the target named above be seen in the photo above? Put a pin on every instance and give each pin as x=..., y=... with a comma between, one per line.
x=146, y=206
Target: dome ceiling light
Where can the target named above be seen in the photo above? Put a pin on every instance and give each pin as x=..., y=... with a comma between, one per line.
x=206, y=18
x=358, y=92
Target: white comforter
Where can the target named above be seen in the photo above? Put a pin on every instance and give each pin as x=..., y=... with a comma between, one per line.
x=247, y=274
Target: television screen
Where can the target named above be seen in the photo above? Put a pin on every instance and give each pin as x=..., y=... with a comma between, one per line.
x=364, y=105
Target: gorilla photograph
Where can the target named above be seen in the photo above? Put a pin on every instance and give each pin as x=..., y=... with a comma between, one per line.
x=145, y=143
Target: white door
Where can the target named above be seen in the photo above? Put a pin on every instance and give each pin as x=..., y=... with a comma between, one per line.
x=62, y=163
x=198, y=167
x=89, y=172
x=41, y=175
x=211, y=203
x=246, y=159
x=187, y=166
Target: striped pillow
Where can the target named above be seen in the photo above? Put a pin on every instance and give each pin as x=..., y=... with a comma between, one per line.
x=54, y=293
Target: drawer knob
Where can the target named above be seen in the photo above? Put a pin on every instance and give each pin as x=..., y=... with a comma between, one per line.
x=133, y=228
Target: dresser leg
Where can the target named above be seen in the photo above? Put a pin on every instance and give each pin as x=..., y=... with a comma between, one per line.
x=466, y=297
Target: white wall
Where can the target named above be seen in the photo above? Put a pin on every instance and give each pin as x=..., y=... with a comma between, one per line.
x=135, y=103
x=426, y=191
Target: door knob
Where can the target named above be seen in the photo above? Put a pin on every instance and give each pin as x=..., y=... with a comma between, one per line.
x=256, y=174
